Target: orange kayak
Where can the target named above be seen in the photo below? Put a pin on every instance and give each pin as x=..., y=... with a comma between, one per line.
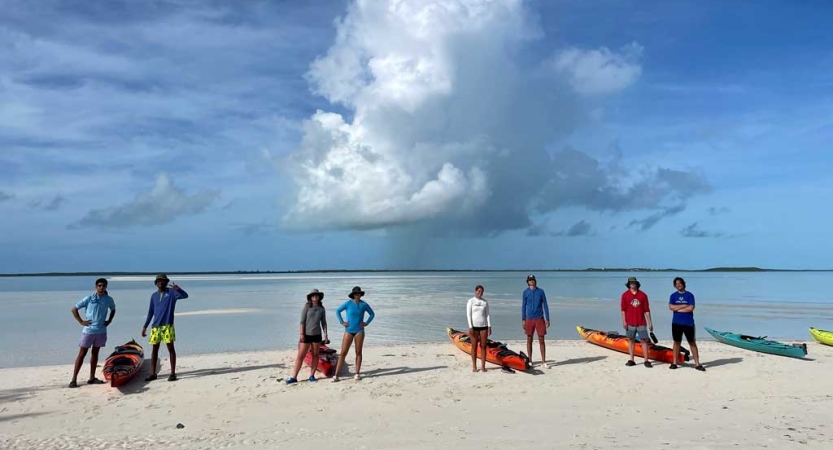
x=496, y=352
x=618, y=342
x=124, y=363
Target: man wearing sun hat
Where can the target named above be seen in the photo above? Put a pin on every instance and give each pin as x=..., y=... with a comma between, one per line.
x=535, y=316
x=636, y=318
x=161, y=311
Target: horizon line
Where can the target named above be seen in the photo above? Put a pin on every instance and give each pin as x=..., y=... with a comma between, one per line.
x=234, y=272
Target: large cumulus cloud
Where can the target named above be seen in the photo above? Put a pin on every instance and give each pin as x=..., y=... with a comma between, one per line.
x=441, y=121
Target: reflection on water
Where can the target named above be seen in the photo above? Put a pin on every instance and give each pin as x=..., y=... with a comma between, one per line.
x=256, y=312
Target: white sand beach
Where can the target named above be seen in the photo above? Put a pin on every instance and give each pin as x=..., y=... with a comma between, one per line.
x=425, y=396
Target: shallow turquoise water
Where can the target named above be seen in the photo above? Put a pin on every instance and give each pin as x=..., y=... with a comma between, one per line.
x=38, y=327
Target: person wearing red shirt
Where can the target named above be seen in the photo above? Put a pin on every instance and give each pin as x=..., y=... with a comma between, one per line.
x=636, y=318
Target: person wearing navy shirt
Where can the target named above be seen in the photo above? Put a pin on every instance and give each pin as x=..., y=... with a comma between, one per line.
x=682, y=303
x=161, y=312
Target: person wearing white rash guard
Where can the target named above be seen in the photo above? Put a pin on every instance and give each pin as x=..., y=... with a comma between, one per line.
x=480, y=326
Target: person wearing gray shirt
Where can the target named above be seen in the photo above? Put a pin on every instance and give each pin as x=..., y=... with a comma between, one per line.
x=313, y=325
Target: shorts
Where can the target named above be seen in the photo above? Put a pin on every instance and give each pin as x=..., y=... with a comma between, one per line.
x=642, y=330
x=162, y=333
x=312, y=339
x=677, y=332
x=479, y=328
x=535, y=325
x=93, y=340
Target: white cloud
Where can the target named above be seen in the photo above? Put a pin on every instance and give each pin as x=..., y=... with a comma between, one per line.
x=602, y=71
x=396, y=64
x=163, y=204
x=448, y=127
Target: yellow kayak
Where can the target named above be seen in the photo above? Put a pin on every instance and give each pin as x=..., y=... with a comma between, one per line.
x=825, y=337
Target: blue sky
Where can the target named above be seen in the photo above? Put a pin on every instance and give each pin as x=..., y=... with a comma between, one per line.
x=266, y=135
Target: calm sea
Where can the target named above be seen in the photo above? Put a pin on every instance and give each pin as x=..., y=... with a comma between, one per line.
x=257, y=312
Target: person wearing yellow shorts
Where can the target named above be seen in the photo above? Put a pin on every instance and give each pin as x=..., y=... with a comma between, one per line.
x=162, y=333
x=161, y=312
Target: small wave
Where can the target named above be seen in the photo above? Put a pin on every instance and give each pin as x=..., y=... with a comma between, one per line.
x=208, y=312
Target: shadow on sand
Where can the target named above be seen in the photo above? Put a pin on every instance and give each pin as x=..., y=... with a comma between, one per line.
x=14, y=417
x=722, y=362
x=398, y=371
x=586, y=360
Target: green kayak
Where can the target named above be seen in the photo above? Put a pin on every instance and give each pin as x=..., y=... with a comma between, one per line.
x=759, y=344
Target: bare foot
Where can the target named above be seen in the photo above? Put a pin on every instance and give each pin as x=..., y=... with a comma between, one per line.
x=483, y=369
x=474, y=369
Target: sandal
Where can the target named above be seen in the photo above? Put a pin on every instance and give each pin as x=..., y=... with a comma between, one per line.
x=701, y=368
x=94, y=381
x=172, y=377
x=73, y=384
x=150, y=378
x=630, y=363
x=672, y=366
x=648, y=364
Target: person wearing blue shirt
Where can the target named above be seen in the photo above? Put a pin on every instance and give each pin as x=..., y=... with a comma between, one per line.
x=535, y=317
x=682, y=303
x=161, y=311
x=95, y=323
x=354, y=326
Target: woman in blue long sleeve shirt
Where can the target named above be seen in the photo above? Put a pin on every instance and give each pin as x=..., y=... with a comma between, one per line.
x=355, y=309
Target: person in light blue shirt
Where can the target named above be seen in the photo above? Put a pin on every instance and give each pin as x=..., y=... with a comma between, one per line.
x=95, y=323
x=354, y=326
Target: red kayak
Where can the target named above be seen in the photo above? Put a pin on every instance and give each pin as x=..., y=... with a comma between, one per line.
x=327, y=360
x=124, y=363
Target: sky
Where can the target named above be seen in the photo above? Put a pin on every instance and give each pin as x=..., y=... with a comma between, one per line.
x=414, y=134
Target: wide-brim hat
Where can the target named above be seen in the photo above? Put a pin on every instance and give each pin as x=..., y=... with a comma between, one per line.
x=356, y=290
x=162, y=277
x=633, y=280
x=315, y=292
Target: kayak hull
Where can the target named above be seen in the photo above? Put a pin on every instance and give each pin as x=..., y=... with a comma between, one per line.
x=759, y=344
x=124, y=363
x=619, y=343
x=496, y=352
x=327, y=360
x=824, y=337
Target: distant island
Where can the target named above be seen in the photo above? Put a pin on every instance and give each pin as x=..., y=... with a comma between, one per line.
x=263, y=272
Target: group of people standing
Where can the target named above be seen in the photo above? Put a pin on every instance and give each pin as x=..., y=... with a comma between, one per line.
x=99, y=304
x=100, y=309
x=313, y=331
x=636, y=320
